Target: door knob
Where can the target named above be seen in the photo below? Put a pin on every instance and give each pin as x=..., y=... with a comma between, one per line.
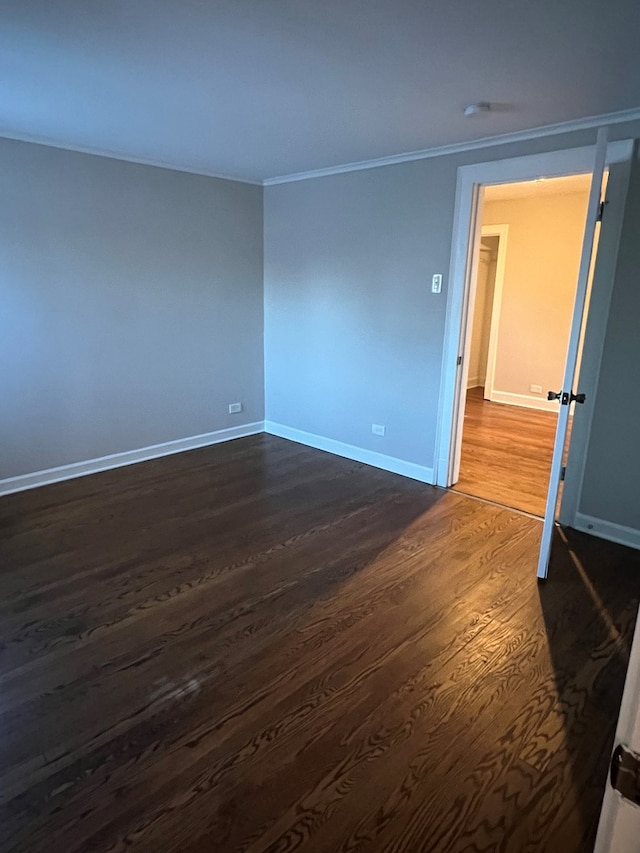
x=565, y=398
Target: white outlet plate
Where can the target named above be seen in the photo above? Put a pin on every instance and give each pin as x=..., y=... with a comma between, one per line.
x=536, y=389
x=378, y=429
x=234, y=408
x=436, y=283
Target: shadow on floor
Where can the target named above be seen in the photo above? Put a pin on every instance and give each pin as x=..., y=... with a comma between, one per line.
x=589, y=604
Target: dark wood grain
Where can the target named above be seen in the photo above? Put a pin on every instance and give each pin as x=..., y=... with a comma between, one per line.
x=261, y=647
x=506, y=453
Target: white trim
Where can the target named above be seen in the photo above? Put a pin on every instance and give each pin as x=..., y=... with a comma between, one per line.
x=525, y=400
x=607, y=530
x=571, y=126
x=439, y=151
x=502, y=233
x=350, y=451
x=468, y=188
x=463, y=264
x=129, y=457
x=588, y=123
x=475, y=382
x=35, y=139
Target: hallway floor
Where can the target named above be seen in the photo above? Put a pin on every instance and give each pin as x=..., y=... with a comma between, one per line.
x=506, y=453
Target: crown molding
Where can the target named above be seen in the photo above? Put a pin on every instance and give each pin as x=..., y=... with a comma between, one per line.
x=34, y=139
x=591, y=122
x=588, y=123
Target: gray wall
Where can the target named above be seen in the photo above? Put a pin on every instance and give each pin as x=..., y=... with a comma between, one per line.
x=353, y=334
x=131, y=306
x=611, y=488
x=132, y=310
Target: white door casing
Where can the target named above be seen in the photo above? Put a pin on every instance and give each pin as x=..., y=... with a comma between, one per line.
x=502, y=232
x=463, y=267
x=490, y=391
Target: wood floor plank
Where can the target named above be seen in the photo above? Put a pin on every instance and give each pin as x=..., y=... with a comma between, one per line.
x=261, y=647
x=506, y=453
x=520, y=652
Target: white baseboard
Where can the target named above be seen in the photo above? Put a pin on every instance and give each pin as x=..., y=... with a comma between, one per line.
x=607, y=530
x=350, y=451
x=129, y=457
x=525, y=400
x=475, y=382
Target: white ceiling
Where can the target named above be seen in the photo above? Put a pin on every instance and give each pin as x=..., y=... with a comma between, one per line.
x=565, y=185
x=262, y=88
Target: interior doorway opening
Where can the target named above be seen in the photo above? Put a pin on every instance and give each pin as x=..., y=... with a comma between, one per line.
x=518, y=325
x=588, y=325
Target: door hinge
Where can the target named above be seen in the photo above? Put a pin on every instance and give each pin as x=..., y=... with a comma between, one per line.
x=459, y=361
x=563, y=472
x=601, y=210
x=625, y=773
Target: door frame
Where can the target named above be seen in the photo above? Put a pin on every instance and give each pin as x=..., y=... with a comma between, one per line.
x=463, y=272
x=502, y=233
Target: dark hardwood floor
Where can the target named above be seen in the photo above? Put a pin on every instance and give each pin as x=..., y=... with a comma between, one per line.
x=261, y=647
x=506, y=453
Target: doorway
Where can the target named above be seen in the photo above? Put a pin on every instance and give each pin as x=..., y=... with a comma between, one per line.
x=520, y=312
x=471, y=183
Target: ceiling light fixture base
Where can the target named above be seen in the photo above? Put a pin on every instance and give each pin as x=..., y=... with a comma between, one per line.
x=477, y=109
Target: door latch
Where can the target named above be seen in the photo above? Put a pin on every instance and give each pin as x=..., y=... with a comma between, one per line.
x=565, y=397
x=625, y=773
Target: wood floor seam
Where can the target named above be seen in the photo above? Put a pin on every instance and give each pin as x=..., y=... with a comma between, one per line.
x=326, y=657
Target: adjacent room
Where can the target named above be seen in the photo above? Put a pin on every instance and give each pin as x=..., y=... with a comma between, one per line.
x=284, y=288
x=529, y=256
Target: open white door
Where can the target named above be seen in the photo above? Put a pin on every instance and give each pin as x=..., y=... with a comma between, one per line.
x=565, y=396
x=619, y=827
